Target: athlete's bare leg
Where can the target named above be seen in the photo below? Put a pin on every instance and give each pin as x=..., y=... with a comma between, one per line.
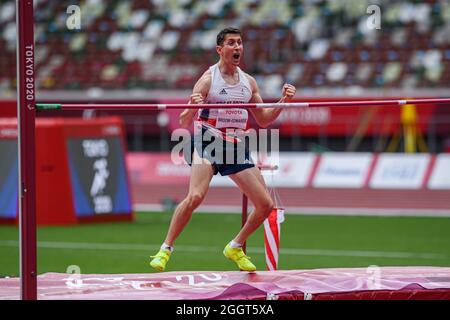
x=252, y=184
x=201, y=175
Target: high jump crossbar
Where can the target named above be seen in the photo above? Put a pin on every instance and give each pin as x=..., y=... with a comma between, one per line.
x=149, y=106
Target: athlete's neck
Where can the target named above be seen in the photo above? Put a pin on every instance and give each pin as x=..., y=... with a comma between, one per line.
x=227, y=69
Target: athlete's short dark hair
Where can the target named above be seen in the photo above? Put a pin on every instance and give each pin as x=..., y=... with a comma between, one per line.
x=224, y=32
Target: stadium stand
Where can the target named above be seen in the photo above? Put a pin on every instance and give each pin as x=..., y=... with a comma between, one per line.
x=132, y=44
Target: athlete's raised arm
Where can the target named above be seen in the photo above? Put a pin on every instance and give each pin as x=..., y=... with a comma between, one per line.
x=198, y=95
x=264, y=117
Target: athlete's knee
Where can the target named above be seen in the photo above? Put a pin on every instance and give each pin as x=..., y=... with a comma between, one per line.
x=194, y=199
x=264, y=207
x=267, y=207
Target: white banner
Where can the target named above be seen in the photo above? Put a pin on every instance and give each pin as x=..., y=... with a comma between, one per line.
x=440, y=177
x=294, y=169
x=342, y=170
x=399, y=171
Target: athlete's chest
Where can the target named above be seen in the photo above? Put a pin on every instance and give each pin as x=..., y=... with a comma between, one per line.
x=224, y=92
x=230, y=80
x=230, y=94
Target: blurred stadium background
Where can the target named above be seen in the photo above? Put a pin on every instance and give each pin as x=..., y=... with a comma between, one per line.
x=342, y=162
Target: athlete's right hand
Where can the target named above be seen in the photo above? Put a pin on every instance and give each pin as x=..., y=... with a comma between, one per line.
x=196, y=98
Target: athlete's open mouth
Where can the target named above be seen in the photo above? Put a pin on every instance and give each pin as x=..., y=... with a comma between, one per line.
x=236, y=55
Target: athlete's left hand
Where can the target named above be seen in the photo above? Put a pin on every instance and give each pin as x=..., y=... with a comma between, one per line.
x=288, y=92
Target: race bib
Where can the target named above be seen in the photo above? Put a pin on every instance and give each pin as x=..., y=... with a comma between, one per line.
x=232, y=118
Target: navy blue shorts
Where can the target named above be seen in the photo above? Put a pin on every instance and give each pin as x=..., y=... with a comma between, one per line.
x=220, y=157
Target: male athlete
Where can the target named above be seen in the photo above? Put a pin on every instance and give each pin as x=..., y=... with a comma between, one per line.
x=224, y=82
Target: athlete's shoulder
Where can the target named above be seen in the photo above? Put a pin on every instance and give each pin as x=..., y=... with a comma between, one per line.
x=204, y=82
x=249, y=77
x=251, y=80
x=206, y=76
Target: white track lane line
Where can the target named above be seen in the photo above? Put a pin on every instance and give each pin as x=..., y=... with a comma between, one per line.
x=256, y=250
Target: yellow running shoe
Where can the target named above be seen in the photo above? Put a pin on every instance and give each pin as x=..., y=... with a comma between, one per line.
x=160, y=259
x=238, y=256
